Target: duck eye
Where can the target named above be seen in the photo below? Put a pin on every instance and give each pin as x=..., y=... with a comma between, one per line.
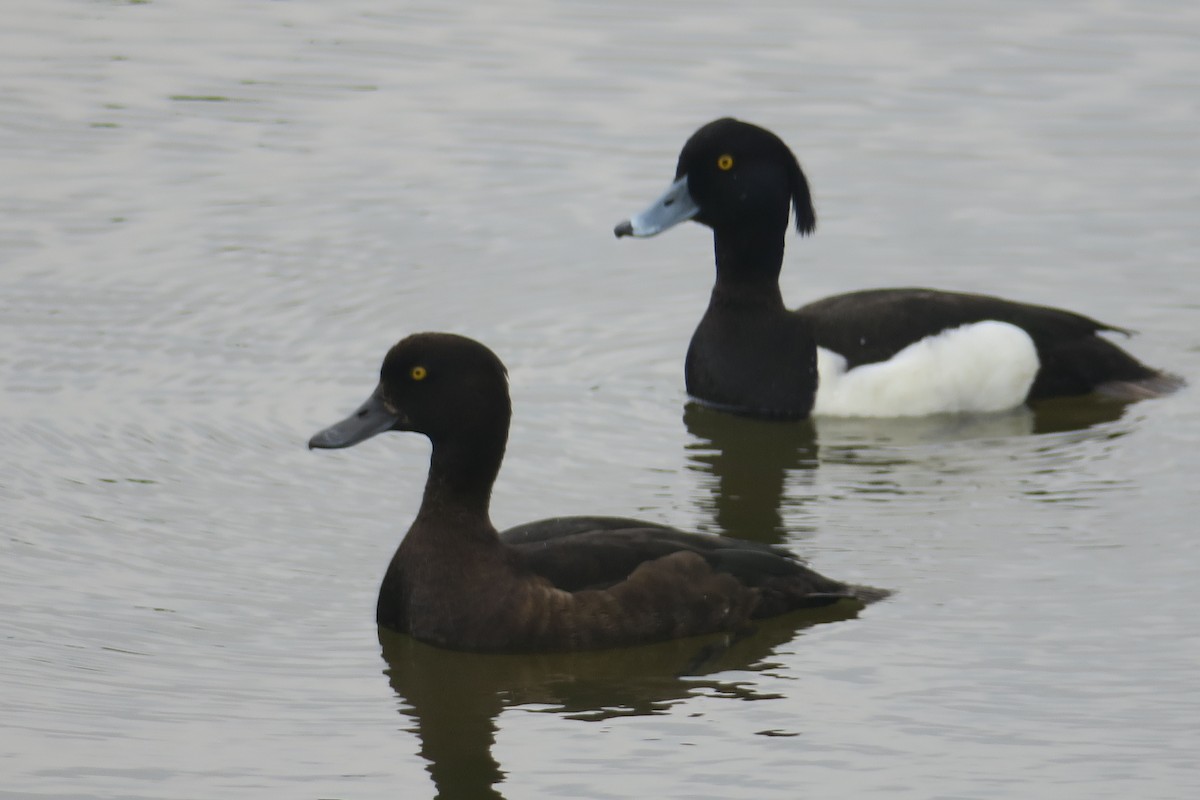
x=725, y=162
x=418, y=373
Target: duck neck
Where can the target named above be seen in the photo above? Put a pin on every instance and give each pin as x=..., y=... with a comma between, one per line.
x=461, y=474
x=749, y=259
x=452, y=527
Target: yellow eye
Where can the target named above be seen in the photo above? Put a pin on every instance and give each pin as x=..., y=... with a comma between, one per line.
x=725, y=163
x=418, y=373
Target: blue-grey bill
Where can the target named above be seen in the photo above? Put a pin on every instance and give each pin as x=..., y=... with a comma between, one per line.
x=675, y=206
x=371, y=418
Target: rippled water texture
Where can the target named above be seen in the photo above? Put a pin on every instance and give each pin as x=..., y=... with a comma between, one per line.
x=217, y=216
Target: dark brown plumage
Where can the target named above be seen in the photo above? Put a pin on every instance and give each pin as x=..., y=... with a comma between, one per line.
x=567, y=583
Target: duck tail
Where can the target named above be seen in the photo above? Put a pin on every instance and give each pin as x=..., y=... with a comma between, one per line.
x=869, y=594
x=1156, y=384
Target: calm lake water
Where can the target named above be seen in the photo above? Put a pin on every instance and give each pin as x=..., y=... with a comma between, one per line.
x=217, y=216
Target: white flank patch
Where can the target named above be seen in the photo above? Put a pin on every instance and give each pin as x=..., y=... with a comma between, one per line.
x=983, y=366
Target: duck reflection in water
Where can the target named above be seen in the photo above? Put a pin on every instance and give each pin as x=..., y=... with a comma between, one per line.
x=753, y=464
x=762, y=471
x=455, y=699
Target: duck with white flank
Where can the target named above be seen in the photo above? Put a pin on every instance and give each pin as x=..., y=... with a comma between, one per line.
x=877, y=353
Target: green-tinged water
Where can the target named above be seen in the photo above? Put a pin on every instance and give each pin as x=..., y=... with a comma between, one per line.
x=216, y=217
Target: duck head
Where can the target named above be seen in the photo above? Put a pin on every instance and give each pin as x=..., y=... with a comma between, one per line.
x=730, y=175
x=445, y=386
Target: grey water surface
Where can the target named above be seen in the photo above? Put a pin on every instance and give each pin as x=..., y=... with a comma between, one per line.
x=216, y=217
